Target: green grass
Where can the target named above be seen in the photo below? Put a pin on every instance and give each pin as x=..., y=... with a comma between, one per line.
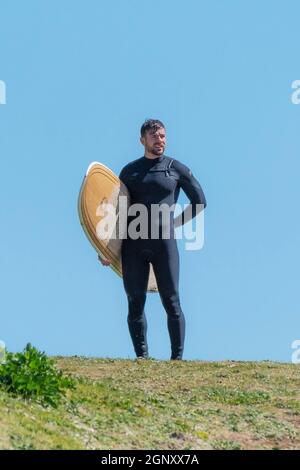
x=149, y=404
x=31, y=374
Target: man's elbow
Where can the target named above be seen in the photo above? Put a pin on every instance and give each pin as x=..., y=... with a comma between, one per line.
x=201, y=199
x=201, y=203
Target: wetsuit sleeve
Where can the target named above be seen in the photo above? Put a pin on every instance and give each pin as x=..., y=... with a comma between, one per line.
x=194, y=192
x=122, y=175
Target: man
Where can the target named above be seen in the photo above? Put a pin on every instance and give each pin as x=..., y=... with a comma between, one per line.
x=155, y=179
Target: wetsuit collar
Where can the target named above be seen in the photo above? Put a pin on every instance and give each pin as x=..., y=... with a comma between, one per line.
x=154, y=160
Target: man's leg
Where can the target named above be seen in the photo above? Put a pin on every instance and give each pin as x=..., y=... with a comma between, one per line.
x=166, y=267
x=135, y=270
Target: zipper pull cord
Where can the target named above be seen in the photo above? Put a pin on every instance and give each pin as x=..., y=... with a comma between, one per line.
x=167, y=170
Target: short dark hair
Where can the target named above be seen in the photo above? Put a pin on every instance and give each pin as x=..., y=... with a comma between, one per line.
x=151, y=124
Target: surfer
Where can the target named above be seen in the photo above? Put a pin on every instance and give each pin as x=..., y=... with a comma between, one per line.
x=156, y=179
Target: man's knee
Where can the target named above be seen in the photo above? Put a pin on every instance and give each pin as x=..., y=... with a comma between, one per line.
x=171, y=303
x=136, y=303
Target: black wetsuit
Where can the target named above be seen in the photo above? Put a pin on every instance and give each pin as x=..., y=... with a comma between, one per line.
x=156, y=181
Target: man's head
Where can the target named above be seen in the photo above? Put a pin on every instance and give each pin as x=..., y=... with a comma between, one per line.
x=153, y=137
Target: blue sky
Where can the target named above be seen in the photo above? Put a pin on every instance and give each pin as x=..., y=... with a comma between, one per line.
x=81, y=77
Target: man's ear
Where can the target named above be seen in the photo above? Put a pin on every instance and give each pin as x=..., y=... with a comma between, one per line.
x=142, y=140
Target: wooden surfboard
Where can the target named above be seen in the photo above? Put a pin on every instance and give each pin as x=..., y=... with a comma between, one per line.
x=101, y=186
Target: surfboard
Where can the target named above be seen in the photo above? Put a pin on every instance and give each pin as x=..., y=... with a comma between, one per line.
x=100, y=187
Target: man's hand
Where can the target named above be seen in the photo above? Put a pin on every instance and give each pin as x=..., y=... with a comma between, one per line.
x=104, y=261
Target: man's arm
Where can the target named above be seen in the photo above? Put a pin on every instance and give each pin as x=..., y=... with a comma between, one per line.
x=194, y=192
x=122, y=175
x=104, y=261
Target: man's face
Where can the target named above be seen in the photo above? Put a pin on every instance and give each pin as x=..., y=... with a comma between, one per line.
x=155, y=141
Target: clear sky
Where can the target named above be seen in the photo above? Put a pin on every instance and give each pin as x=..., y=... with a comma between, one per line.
x=81, y=77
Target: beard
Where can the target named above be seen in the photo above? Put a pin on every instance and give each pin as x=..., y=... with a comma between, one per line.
x=157, y=151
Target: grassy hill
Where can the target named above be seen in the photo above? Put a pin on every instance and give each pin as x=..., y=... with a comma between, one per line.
x=149, y=404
